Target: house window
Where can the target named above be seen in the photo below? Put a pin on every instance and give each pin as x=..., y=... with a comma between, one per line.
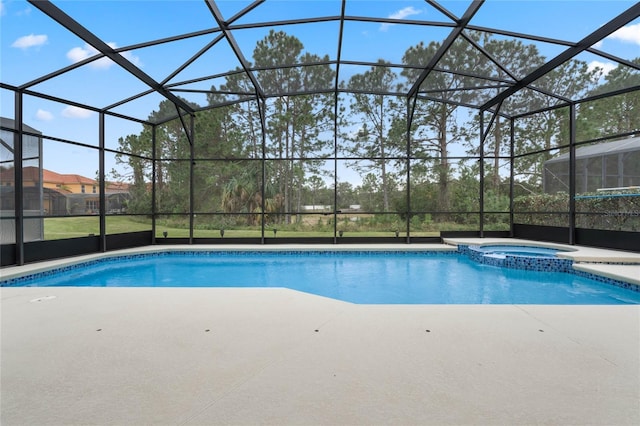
x=82, y=189
x=92, y=206
x=94, y=189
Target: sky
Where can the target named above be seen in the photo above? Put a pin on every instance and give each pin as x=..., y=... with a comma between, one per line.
x=33, y=45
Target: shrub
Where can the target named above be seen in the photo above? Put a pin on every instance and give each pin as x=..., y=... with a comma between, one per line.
x=619, y=210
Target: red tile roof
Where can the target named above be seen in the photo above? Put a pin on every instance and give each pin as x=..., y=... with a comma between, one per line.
x=32, y=174
x=65, y=179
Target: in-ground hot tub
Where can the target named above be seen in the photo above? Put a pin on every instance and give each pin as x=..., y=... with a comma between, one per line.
x=534, y=258
x=501, y=251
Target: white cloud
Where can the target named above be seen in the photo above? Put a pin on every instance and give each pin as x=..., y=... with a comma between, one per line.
x=403, y=13
x=78, y=54
x=24, y=12
x=76, y=112
x=597, y=45
x=400, y=14
x=606, y=67
x=135, y=60
x=628, y=34
x=2, y=9
x=30, y=40
x=42, y=115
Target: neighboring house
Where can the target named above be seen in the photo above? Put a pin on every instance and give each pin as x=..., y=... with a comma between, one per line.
x=55, y=195
x=81, y=193
x=62, y=194
x=608, y=165
x=75, y=184
x=316, y=208
x=45, y=192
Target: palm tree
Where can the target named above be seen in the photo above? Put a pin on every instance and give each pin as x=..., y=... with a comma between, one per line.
x=243, y=194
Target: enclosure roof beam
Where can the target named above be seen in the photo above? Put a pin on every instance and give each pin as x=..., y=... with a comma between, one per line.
x=129, y=99
x=615, y=24
x=552, y=41
x=353, y=18
x=224, y=26
x=175, y=86
x=583, y=100
x=506, y=71
x=72, y=25
x=339, y=51
x=83, y=62
x=442, y=10
x=488, y=56
x=462, y=23
x=193, y=59
x=614, y=58
x=210, y=44
x=618, y=92
x=421, y=96
x=519, y=35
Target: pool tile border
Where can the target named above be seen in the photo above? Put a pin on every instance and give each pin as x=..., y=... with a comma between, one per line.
x=18, y=281
x=607, y=280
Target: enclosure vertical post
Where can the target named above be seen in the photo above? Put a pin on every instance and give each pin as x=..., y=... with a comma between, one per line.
x=102, y=185
x=572, y=173
x=511, y=177
x=411, y=108
x=153, y=184
x=335, y=167
x=621, y=175
x=263, y=126
x=335, y=123
x=192, y=165
x=481, y=194
x=18, y=185
x=41, y=189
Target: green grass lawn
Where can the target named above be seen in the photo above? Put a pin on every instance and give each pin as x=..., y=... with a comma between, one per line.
x=56, y=228
x=71, y=227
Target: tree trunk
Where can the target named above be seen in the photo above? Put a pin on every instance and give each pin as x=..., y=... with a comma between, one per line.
x=443, y=172
x=287, y=147
x=381, y=141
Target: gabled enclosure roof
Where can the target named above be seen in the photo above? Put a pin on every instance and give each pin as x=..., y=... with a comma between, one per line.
x=11, y=124
x=125, y=57
x=602, y=149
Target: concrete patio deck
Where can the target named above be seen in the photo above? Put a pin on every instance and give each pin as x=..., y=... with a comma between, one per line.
x=133, y=356
x=205, y=356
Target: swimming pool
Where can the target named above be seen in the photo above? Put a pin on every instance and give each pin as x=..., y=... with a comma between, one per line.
x=357, y=277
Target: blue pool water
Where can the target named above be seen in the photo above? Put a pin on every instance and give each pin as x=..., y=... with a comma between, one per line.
x=362, y=277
